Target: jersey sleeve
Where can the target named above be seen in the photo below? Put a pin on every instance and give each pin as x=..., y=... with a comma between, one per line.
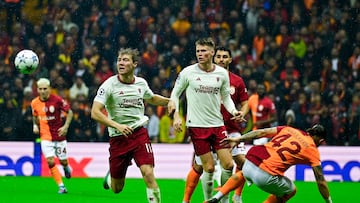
x=102, y=93
x=180, y=85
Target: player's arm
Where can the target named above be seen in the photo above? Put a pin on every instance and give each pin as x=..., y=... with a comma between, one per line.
x=36, y=123
x=63, y=130
x=321, y=183
x=99, y=116
x=158, y=100
x=266, y=132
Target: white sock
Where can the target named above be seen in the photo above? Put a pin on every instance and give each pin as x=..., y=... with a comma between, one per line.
x=225, y=175
x=108, y=180
x=153, y=195
x=207, y=184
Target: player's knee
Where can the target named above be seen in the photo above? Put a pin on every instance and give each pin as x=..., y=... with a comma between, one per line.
x=286, y=197
x=228, y=165
x=198, y=168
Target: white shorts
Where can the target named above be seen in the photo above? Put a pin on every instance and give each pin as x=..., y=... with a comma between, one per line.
x=240, y=148
x=54, y=148
x=277, y=185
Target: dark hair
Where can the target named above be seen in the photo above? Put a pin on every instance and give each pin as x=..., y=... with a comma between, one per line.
x=317, y=130
x=222, y=48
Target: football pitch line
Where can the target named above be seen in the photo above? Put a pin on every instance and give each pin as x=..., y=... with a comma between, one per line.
x=89, y=190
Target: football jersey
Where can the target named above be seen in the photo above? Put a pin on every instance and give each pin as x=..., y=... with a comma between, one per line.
x=124, y=102
x=288, y=147
x=49, y=114
x=261, y=109
x=204, y=93
x=238, y=94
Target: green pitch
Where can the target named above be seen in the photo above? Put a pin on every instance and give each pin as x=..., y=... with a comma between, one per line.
x=89, y=190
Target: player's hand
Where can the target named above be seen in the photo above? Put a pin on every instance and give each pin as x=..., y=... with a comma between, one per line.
x=63, y=131
x=125, y=130
x=177, y=123
x=36, y=129
x=229, y=142
x=171, y=107
x=238, y=116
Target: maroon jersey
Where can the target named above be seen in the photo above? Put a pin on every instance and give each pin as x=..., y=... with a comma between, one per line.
x=239, y=94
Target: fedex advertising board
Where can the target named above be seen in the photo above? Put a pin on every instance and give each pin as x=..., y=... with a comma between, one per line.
x=171, y=161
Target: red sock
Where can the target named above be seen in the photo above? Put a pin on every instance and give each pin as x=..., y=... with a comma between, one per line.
x=235, y=181
x=192, y=180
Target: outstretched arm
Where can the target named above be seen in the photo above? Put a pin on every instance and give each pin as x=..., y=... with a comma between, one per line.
x=266, y=132
x=321, y=183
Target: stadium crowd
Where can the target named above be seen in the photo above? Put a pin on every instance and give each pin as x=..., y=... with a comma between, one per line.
x=306, y=53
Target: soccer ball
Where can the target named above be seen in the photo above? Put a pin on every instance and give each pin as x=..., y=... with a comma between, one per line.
x=26, y=61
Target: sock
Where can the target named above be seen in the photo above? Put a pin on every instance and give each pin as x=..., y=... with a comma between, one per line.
x=239, y=189
x=192, y=180
x=225, y=175
x=207, y=184
x=233, y=182
x=56, y=175
x=153, y=195
x=108, y=179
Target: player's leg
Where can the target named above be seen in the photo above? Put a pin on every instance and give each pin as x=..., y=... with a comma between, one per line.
x=48, y=150
x=238, y=154
x=281, y=189
x=207, y=181
x=227, y=165
x=233, y=182
x=144, y=158
x=61, y=153
x=192, y=179
x=152, y=188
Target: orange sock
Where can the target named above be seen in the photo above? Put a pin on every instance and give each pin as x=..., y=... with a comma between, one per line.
x=239, y=189
x=235, y=181
x=192, y=180
x=271, y=199
x=56, y=175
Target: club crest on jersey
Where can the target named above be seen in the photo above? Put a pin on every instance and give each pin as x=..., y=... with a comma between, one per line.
x=101, y=91
x=198, y=79
x=232, y=90
x=51, y=109
x=121, y=93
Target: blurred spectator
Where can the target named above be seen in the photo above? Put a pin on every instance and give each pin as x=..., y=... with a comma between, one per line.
x=153, y=124
x=78, y=88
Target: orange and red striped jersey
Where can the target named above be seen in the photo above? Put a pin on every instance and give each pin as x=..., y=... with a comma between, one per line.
x=49, y=114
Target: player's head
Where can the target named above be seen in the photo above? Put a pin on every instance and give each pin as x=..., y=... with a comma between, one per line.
x=127, y=60
x=223, y=57
x=43, y=88
x=260, y=89
x=318, y=132
x=205, y=49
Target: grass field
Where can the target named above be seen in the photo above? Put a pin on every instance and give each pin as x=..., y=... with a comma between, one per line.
x=89, y=190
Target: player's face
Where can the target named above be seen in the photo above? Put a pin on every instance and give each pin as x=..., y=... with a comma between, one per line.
x=222, y=58
x=44, y=92
x=204, y=54
x=125, y=64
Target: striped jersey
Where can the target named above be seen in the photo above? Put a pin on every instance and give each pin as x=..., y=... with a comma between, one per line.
x=49, y=113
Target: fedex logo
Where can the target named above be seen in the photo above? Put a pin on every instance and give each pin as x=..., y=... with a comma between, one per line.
x=333, y=171
x=37, y=165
